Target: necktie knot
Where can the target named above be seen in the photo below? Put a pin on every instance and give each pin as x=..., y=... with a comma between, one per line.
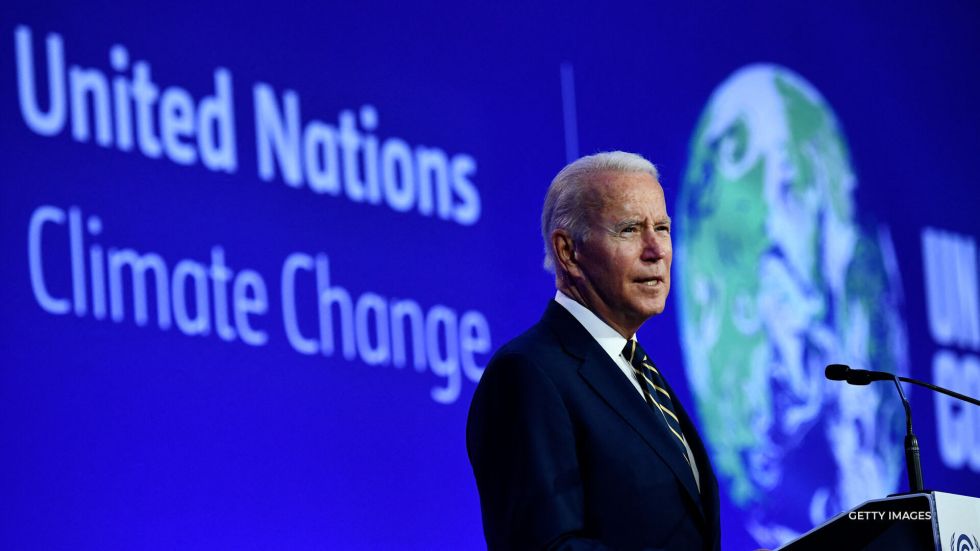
x=634, y=352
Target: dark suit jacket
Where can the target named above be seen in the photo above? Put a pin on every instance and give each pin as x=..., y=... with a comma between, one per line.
x=568, y=455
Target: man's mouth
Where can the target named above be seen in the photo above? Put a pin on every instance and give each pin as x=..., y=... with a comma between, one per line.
x=650, y=281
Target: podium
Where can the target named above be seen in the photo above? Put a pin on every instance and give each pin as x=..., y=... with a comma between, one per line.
x=933, y=521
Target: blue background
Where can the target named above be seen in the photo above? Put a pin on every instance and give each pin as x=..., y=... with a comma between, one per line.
x=118, y=436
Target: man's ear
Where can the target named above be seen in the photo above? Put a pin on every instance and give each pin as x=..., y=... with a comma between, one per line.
x=564, y=247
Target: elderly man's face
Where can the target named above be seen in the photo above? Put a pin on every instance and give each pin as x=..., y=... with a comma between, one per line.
x=625, y=262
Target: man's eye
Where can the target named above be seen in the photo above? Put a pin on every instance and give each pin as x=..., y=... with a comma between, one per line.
x=629, y=229
x=663, y=228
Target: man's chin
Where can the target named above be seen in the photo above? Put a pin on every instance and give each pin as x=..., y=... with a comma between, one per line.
x=650, y=309
x=657, y=311
x=656, y=307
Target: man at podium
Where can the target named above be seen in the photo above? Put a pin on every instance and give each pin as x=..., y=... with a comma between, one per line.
x=575, y=437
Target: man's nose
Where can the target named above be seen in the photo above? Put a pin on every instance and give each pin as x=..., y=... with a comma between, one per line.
x=655, y=245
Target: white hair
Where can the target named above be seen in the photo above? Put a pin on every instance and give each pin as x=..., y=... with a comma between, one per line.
x=569, y=199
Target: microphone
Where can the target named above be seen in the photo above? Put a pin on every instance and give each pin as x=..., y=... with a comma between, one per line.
x=841, y=372
x=837, y=372
x=913, y=465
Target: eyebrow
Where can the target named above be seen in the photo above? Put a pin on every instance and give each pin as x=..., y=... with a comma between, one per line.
x=638, y=220
x=632, y=221
x=626, y=222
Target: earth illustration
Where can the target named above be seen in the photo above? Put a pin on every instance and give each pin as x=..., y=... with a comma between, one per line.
x=778, y=276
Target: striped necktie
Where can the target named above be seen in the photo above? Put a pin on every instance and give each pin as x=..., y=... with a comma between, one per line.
x=655, y=392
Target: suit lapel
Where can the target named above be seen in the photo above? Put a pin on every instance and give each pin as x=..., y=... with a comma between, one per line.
x=709, y=485
x=607, y=380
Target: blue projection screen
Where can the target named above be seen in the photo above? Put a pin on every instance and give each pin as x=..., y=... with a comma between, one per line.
x=256, y=257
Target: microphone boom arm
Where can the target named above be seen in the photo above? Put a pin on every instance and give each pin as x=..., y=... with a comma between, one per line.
x=942, y=390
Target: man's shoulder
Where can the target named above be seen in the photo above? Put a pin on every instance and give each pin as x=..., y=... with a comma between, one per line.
x=543, y=346
x=529, y=372
x=538, y=337
x=546, y=332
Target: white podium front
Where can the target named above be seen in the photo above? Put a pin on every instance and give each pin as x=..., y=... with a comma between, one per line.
x=958, y=521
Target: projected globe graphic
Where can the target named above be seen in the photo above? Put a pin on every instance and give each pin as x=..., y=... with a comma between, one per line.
x=779, y=275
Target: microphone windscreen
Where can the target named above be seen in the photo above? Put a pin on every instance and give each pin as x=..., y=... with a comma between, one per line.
x=836, y=372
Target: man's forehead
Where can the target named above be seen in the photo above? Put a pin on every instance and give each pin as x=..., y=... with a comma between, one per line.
x=636, y=193
x=611, y=176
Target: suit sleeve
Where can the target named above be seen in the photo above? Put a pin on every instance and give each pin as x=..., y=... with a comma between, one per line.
x=521, y=442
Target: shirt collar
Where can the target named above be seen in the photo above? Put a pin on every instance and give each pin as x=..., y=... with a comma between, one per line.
x=608, y=338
